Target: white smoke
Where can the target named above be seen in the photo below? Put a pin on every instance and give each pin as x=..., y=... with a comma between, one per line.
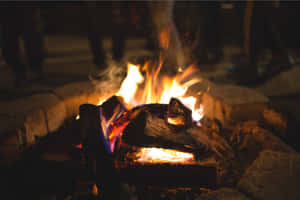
x=109, y=80
x=162, y=18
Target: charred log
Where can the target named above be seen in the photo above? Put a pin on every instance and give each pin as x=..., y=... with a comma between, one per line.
x=97, y=152
x=148, y=130
x=109, y=107
x=179, y=115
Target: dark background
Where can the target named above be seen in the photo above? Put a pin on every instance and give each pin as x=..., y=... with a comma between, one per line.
x=69, y=18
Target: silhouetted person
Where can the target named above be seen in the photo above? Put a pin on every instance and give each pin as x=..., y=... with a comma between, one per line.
x=261, y=32
x=119, y=29
x=21, y=19
x=96, y=29
x=199, y=24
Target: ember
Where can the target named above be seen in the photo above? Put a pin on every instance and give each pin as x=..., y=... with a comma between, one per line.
x=160, y=155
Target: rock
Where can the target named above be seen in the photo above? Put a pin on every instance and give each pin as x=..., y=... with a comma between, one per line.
x=248, y=139
x=283, y=84
x=36, y=115
x=276, y=121
x=73, y=95
x=273, y=176
x=223, y=194
x=35, y=125
x=54, y=110
x=231, y=104
x=10, y=146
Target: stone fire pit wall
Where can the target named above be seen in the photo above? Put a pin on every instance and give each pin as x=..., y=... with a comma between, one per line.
x=24, y=121
x=272, y=168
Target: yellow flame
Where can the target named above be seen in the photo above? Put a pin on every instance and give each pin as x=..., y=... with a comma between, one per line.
x=160, y=155
x=130, y=83
x=95, y=190
x=158, y=89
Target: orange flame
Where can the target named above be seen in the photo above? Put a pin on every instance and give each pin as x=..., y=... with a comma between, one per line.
x=137, y=90
x=160, y=155
x=144, y=85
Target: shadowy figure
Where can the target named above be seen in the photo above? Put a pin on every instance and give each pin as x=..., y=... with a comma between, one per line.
x=96, y=29
x=21, y=19
x=199, y=25
x=261, y=33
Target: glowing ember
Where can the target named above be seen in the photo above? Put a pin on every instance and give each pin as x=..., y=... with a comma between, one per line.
x=175, y=121
x=160, y=155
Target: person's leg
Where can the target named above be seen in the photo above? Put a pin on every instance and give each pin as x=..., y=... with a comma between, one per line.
x=94, y=32
x=258, y=35
x=212, y=29
x=118, y=37
x=118, y=43
x=33, y=38
x=11, y=46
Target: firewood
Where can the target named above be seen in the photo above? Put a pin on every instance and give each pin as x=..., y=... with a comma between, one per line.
x=112, y=105
x=151, y=131
x=178, y=114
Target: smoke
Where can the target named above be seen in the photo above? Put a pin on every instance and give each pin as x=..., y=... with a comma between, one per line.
x=163, y=21
x=109, y=80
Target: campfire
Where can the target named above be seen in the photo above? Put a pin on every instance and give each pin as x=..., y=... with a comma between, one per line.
x=151, y=124
x=138, y=90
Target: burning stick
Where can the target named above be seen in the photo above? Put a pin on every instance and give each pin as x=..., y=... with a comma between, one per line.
x=109, y=106
x=149, y=129
x=97, y=152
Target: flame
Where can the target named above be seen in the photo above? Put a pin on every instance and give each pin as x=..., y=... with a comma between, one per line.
x=160, y=155
x=137, y=90
x=144, y=85
x=129, y=85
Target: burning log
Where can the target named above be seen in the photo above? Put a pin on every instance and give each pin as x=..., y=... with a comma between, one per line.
x=109, y=106
x=97, y=151
x=150, y=130
x=178, y=114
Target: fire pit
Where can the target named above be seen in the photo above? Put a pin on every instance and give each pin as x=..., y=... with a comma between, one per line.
x=154, y=132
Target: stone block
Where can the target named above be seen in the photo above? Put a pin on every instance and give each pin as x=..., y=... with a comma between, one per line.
x=248, y=139
x=272, y=176
x=231, y=104
x=283, y=84
x=35, y=125
x=37, y=115
x=74, y=94
x=54, y=110
x=223, y=194
x=276, y=121
x=10, y=146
